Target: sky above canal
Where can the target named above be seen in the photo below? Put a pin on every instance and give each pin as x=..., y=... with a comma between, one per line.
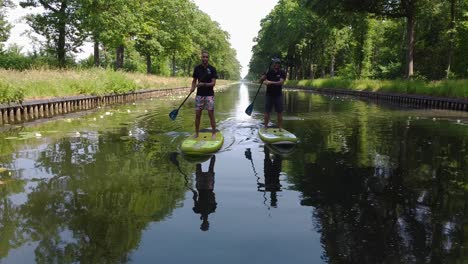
x=241, y=19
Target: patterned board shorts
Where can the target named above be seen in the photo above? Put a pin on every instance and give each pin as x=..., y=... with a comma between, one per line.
x=204, y=102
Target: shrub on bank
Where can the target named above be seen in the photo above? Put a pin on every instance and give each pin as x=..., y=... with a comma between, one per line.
x=444, y=88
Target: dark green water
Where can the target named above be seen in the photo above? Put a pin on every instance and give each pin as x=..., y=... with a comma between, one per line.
x=366, y=184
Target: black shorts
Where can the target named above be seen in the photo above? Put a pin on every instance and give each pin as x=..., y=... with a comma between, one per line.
x=276, y=101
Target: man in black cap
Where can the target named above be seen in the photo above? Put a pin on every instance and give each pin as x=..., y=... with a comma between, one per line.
x=274, y=80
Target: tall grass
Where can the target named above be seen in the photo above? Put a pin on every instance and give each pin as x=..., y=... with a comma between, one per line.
x=444, y=88
x=16, y=86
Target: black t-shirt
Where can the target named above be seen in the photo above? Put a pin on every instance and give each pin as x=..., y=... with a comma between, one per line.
x=275, y=76
x=205, y=75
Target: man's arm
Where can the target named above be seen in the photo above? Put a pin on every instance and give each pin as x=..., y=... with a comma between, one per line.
x=210, y=84
x=280, y=82
x=194, y=85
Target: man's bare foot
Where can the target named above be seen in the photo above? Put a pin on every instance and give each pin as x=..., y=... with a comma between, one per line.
x=280, y=129
x=196, y=135
x=213, y=136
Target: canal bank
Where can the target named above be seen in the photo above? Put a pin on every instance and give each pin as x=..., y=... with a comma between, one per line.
x=31, y=110
x=404, y=100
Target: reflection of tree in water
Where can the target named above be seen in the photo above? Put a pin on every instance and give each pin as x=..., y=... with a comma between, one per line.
x=272, y=170
x=11, y=235
x=103, y=194
x=406, y=213
x=204, y=198
x=384, y=201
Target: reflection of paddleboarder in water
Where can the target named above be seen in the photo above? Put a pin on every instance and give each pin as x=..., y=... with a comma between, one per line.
x=272, y=170
x=204, y=199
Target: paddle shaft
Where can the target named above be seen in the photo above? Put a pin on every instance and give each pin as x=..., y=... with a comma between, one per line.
x=184, y=100
x=258, y=90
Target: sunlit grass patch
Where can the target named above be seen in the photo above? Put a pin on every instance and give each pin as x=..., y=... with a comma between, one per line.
x=16, y=86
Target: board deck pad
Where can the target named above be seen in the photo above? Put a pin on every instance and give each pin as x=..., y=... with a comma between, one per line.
x=204, y=144
x=275, y=136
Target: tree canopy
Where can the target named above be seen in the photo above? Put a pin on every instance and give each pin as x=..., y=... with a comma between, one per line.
x=156, y=36
x=365, y=39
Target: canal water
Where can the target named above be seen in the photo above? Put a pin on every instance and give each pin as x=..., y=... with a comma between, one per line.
x=366, y=184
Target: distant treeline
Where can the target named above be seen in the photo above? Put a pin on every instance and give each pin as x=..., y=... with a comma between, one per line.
x=163, y=37
x=372, y=39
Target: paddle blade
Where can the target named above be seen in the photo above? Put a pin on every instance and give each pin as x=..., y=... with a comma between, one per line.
x=249, y=109
x=248, y=154
x=173, y=114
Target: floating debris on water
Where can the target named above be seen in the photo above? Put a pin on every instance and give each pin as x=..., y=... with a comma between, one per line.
x=2, y=170
x=108, y=113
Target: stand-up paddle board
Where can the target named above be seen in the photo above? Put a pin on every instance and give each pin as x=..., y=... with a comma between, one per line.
x=203, y=144
x=276, y=137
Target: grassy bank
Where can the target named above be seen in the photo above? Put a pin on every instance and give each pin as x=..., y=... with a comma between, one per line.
x=445, y=88
x=18, y=86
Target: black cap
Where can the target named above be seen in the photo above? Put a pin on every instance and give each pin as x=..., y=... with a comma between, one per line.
x=276, y=60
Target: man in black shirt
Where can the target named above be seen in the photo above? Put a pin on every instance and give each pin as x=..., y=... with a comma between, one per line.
x=204, y=80
x=274, y=80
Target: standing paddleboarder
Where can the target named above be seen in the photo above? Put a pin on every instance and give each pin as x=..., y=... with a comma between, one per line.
x=204, y=80
x=274, y=80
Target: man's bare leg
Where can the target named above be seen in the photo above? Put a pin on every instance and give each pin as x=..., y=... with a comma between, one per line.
x=198, y=114
x=280, y=121
x=267, y=119
x=213, y=123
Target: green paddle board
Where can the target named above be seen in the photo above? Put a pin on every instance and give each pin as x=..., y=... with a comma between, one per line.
x=276, y=137
x=282, y=150
x=203, y=144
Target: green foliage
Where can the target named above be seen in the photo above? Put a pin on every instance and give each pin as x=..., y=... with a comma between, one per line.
x=59, y=24
x=9, y=94
x=5, y=27
x=364, y=39
x=155, y=36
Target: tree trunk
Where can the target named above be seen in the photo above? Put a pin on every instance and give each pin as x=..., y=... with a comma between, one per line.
x=173, y=64
x=62, y=35
x=97, y=60
x=332, y=66
x=312, y=72
x=451, y=38
x=149, y=70
x=410, y=42
x=119, y=62
x=189, y=68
